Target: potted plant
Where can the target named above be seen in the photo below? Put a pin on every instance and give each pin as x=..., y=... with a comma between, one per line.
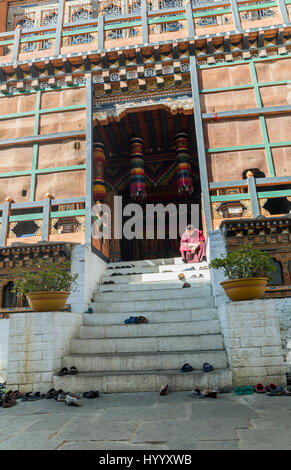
x=248, y=270
x=47, y=288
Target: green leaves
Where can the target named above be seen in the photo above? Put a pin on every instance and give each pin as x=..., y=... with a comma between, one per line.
x=47, y=277
x=245, y=262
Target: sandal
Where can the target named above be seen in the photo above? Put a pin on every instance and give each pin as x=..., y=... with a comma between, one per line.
x=91, y=394
x=63, y=371
x=51, y=393
x=186, y=284
x=73, y=371
x=198, y=394
x=8, y=400
x=186, y=368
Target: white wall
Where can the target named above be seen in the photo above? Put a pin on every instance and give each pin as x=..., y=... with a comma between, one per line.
x=90, y=268
x=4, y=334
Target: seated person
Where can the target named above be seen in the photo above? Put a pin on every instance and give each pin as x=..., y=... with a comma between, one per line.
x=192, y=247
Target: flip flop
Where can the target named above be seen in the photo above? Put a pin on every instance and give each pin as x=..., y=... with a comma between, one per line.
x=186, y=368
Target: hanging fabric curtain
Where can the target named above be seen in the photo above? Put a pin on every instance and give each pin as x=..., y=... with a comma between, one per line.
x=137, y=175
x=99, y=189
x=184, y=177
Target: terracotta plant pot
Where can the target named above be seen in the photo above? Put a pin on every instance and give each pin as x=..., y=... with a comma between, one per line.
x=47, y=301
x=245, y=289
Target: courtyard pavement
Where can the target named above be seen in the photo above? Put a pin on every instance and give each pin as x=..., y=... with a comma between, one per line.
x=148, y=421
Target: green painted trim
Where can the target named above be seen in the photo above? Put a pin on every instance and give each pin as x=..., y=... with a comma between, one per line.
x=78, y=31
x=67, y=213
x=229, y=88
x=18, y=218
x=167, y=19
x=267, y=146
x=38, y=37
x=5, y=43
x=34, y=165
x=287, y=143
x=212, y=13
x=62, y=109
x=125, y=24
x=60, y=169
x=283, y=193
x=232, y=149
x=229, y=197
x=242, y=87
x=260, y=6
x=11, y=174
x=43, y=111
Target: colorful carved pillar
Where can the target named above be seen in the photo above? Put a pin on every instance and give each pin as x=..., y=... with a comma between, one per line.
x=137, y=176
x=184, y=176
x=99, y=189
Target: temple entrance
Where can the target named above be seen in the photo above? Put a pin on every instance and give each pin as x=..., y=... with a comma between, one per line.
x=148, y=157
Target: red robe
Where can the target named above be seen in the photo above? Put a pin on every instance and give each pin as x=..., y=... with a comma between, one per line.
x=199, y=252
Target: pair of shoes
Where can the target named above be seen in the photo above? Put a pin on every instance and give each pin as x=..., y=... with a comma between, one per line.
x=207, y=367
x=65, y=371
x=136, y=320
x=210, y=393
x=186, y=284
x=30, y=396
x=244, y=390
x=8, y=399
x=91, y=394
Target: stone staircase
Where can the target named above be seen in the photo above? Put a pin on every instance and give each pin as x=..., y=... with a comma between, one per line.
x=112, y=356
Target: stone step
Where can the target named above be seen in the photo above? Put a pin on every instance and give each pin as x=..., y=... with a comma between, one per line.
x=142, y=381
x=154, y=277
x=149, y=344
x=186, y=268
x=153, y=316
x=145, y=361
x=192, y=292
x=148, y=329
x=148, y=262
x=152, y=305
x=145, y=286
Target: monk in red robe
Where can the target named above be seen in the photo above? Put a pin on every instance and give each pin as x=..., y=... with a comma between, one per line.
x=192, y=246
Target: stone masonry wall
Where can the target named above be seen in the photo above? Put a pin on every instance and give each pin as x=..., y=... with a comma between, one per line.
x=37, y=343
x=253, y=342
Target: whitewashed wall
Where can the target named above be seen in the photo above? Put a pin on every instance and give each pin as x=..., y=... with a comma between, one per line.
x=4, y=333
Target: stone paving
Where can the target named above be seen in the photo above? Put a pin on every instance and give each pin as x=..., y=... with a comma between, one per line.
x=148, y=421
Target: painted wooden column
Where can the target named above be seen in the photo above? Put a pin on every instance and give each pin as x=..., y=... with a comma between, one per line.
x=58, y=40
x=16, y=44
x=200, y=144
x=253, y=196
x=45, y=231
x=5, y=221
x=144, y=22
x=89, y=158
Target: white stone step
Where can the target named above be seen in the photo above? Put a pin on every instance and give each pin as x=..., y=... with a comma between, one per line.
x=153, y=317
x=149, y=329
x=145, y=361
x=192, y=292
x=146, y=286
x=142, y=381
x=155, y=277
x=148, y=262
x=192, y=268
x=149, y=344
x=152, y=305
